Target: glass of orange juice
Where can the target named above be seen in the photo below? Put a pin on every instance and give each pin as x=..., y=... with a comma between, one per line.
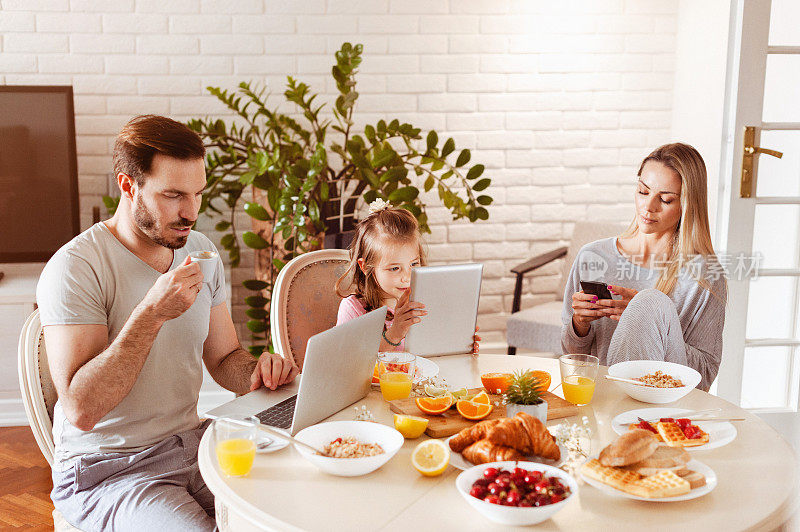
x=235, y=439
x=578, y=375
x=395, y=385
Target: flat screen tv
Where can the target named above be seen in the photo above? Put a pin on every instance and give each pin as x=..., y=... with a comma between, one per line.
x=39, y=210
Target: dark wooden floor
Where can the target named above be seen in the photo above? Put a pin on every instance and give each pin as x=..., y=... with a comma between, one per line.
x=25, y=482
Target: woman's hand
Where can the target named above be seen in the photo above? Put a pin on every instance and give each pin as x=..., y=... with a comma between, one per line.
x=613, y=308
x=584, y=311
x=406, y=314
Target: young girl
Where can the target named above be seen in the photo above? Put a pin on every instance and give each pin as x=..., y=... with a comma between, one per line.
x=386, y=246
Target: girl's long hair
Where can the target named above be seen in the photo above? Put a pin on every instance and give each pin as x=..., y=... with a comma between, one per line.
x=375, y=234
x=692, y=236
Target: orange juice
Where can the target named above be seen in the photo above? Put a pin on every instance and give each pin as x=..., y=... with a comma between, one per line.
x=578, y=390
x=236, y=456
x=395, y=385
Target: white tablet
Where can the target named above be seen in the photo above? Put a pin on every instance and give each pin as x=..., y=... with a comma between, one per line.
x=450, y=295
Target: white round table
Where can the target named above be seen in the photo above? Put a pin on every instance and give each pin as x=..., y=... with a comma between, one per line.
x=756, y=477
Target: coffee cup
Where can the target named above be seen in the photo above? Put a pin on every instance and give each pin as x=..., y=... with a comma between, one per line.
x=208, y=263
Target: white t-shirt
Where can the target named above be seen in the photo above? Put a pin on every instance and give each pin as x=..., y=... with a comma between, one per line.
x=95, y=279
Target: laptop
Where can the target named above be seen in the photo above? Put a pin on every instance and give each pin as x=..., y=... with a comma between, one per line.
x=337, y=372
x=450, y=294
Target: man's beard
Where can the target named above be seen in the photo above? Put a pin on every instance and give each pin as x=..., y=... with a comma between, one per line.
x=148, y=224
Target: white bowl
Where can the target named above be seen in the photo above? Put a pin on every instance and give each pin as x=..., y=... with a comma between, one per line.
x=512, y=515
x=322, y=434
x=648, y=394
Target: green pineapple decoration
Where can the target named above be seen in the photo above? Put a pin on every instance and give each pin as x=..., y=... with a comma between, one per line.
x=524, y=389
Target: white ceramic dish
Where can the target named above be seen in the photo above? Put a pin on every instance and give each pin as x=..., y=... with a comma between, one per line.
x=694, y=465
x=364, y=431
x=648, y=394
x=719, y=432
x=459, y=462
x=511, y=515
x=276, y=445
x=426, y=368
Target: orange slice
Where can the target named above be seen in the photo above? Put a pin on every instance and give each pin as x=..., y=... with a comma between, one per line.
x=379, y=370
x=482, y=398
x=495, y=382
x=473, y=411
x=434, y=405
x=544, y=379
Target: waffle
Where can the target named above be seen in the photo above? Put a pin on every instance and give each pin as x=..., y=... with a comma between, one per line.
x=664, y=484
x=636, y=426
x=613, y=476
x=674, y=436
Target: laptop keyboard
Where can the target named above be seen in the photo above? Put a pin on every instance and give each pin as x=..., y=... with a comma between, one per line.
x=279, y=415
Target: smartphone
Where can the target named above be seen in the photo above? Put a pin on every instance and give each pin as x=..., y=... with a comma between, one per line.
x=596, y=288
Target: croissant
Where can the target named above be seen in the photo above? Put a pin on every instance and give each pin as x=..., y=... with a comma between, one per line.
x=471, y=434
x=526, y=434
x=484, y=451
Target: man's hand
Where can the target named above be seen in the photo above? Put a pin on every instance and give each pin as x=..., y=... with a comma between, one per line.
x=273, y=370
x=175, y=291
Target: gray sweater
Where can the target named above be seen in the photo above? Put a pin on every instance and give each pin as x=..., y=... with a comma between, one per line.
x=701, y=313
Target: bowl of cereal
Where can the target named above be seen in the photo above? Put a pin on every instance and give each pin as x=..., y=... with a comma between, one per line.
x=354, y=448
x=661, y=382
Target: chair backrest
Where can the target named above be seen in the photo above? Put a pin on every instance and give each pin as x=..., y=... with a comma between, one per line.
x=584, y=233
x=304, y=300
x=38, y=392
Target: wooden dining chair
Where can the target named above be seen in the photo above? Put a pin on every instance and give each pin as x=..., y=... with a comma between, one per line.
x=304, y=300
x=39, y=395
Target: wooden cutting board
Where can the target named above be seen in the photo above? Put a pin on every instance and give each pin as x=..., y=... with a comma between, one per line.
x=451, y=422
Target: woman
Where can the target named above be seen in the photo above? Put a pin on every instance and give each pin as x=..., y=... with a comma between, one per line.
x=671, y=289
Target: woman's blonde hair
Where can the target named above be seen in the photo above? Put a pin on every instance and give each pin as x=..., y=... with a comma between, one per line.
x=375, y=234
x=692, y=236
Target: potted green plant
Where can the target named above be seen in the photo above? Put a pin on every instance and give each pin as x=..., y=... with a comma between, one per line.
x=303, y=176
x=524, y=394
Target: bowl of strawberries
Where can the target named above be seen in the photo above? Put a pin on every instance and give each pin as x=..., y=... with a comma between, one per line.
x=516, y=493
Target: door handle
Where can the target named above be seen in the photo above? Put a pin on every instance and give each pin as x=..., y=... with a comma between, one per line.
x=748, y=154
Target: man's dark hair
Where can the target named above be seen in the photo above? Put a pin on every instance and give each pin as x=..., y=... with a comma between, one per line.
x=146, y=135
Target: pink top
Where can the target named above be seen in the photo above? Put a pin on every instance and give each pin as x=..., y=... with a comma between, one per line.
x=352, y=307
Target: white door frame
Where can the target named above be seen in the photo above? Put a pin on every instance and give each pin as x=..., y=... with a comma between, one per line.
x=747, y=58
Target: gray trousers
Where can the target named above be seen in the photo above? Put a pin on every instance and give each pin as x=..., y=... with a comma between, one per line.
x=649, y=329
x=159, y=488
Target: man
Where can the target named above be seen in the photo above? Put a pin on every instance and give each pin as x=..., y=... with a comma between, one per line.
x=127, y=319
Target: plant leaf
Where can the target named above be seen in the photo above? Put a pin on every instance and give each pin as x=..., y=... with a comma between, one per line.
x=481, y=185
x=475, y=171
x=463, y=158
x=254, y=240
x=255, y=284
x=256, y=211
x=432, y=140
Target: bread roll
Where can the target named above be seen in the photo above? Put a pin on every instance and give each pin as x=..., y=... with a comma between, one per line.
x=633, y=446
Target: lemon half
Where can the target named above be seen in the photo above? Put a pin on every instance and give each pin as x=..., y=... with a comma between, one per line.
x=410, y=426
x=431, y=457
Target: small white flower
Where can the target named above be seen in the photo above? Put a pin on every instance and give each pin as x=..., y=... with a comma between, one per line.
x=378, y=205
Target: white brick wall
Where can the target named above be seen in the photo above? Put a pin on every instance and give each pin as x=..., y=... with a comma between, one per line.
x=559, y=100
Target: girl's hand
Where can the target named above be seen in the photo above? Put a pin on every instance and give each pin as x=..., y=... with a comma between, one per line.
x=406, y=314
x=475, y=340
x=585, y=309
x=613, y=308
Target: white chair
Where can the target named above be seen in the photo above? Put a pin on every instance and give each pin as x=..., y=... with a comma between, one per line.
x=39, y=395
x=539, y=327
x=304, y=300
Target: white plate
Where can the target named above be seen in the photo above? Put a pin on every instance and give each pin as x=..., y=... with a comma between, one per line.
x=276, y=445
x=694, y=465
x=459, y=462
x=427, y=369
x=719, y=432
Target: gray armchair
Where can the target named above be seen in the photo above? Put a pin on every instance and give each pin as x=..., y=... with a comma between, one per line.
x=539, y=327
